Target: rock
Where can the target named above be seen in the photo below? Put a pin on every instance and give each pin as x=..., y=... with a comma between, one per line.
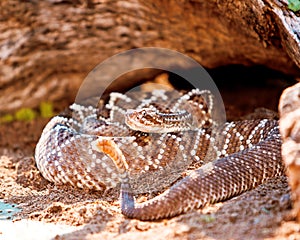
x=289, y=109
x=48, y=47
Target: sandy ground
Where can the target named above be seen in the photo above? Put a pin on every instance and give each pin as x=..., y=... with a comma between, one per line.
x=63, y=212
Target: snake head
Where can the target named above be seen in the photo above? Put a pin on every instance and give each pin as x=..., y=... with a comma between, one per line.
x=144, y=120
x=151, y=120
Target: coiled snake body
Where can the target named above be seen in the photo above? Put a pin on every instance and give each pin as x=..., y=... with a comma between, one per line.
x=146, y=141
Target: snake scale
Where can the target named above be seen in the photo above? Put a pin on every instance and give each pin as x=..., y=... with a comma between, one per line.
x=145, y=141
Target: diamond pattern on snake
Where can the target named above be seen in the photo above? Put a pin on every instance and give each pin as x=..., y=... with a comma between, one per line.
x=145, y=141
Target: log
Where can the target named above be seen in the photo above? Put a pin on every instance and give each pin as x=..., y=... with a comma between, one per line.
x=48, y=47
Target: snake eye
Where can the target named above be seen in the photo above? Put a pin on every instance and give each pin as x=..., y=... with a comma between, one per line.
x=144, y=113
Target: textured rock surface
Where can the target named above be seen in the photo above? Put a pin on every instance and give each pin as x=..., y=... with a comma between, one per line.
x=48, y=47
x=289, y=108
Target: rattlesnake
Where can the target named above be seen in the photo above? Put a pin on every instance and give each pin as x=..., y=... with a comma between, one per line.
x=98, y=148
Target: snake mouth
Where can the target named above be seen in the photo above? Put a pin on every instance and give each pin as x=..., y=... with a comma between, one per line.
x=132, y=124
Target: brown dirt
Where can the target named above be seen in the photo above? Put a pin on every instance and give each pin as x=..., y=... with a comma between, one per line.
x=263, y=213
